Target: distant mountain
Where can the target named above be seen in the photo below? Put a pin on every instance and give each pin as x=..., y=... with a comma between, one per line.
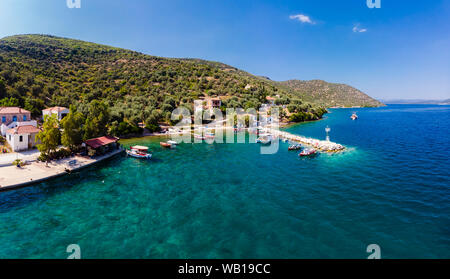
x=330, y=94
x=417, y=102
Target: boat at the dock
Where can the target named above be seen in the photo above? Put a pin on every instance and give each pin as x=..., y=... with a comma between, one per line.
x=200, y=137
x=307, y=152
x=209, y=136
x=140, y=152
x=264, y=139
x=295, y=147
x=167, y=144
x=354, y=116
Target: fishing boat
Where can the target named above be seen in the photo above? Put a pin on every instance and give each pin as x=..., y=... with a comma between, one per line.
x=264, y=139
x=295, y=147
x=200, y=137
x=140, y=152
x=354, y=116
x=307, y=152
x=209, y=136
x=167, y=144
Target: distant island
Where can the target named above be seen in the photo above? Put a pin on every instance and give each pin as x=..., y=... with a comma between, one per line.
x=139, y=90
x=417, y=102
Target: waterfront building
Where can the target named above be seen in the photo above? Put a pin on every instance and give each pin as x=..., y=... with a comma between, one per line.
x=101, y=145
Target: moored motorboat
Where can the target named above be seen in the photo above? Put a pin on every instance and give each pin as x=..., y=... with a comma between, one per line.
x=295, y=147
x=209, y=136
x=167, y=144
x=200, y=137
x=354, y=116
x=307, y=152
x=264, y=139
x=140, y=152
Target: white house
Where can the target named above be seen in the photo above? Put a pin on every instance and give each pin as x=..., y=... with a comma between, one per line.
x=22, y=137
x=60, y=112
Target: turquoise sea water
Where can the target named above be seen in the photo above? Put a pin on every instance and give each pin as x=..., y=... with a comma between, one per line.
x=391, y=188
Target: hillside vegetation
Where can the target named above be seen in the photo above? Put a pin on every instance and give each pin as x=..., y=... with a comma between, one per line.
x=37, y=71
x=329, y=94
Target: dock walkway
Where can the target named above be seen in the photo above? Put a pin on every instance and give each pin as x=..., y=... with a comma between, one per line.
x=321, y=145
x=13, y=177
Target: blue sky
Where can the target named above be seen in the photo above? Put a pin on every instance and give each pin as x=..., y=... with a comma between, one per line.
x=401, y=50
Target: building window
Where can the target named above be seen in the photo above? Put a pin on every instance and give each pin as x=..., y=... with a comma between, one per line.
x=14, y=118
x=24, y=118
x=3, y=119
x=9, y=137
x=21, y=138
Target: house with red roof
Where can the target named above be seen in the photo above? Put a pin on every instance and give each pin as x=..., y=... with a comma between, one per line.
x=101, y=145
x=22, y=137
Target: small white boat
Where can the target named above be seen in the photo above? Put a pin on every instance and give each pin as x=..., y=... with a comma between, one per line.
x=265, y=139
x=307, y=152
x=210, y=136
x=354, y=116
x=200, y=137
x=172, y=142
x=140, y=152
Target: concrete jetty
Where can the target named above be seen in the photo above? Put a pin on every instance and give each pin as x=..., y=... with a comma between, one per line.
x=321, y=145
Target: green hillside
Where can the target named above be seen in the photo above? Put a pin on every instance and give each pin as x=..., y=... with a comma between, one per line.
x=37, y=71
x=329, y=94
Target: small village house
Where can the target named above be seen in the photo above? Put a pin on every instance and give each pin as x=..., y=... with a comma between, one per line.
x=11, y=117
x=101, y=145
x=60, y=112
x=270, y=100
x=22, y=137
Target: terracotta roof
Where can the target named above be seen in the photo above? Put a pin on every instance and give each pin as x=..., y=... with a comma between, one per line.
x=7, y=110
x=102, y=141
x=56, y=109
x=26, y=129
x=270, y=98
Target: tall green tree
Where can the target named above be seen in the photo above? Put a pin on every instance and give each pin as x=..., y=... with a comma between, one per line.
x=97, y=120
x=9, y=102
x=2, y=89
x=50, y=135
x=72, y=125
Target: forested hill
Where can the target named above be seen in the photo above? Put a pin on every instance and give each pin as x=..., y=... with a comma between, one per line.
x=330, y=94
x=39, y=70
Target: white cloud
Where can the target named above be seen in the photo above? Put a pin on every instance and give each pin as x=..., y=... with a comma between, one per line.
x=302, y=18
x=357, y=29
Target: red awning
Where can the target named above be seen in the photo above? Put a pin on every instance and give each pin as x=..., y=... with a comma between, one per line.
x=102, y=141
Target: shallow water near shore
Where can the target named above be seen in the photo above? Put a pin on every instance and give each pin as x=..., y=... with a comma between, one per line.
x=391, y=187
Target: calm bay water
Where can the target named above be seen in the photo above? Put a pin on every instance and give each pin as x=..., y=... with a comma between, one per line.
x=392, y=188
